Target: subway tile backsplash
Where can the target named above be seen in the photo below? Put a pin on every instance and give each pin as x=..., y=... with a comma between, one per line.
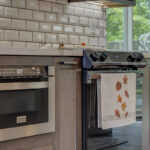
x=30, y=23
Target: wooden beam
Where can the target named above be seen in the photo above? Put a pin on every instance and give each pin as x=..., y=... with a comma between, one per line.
x=114, y=6
x=104, y=3
x=109, y=4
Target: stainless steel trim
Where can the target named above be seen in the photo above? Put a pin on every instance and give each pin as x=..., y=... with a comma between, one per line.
x=23, y=85
x=51, y=97
x=51, y=70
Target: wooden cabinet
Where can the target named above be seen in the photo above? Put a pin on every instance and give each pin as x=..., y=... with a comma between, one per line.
x=68, y=112
x=68, y=103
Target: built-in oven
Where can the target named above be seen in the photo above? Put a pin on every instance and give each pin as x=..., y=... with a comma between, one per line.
x=95, y=63
x=23, y=96
x=27, y=96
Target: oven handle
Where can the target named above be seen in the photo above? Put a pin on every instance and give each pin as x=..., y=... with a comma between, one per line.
x=23, y=86
x=95, y=76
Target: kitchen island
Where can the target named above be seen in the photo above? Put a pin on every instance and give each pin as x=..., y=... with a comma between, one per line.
x=67, y=64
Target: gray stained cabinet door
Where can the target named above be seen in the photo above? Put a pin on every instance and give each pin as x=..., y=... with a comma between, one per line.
x=68, y=103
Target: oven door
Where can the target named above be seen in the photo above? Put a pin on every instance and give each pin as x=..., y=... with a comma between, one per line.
x=23, y=103
x=90, y=110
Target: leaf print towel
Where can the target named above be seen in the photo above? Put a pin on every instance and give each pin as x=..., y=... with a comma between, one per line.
x=116, y=93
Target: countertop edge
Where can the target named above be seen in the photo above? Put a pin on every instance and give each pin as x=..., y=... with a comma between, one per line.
x=40, y=52
x=47, y=52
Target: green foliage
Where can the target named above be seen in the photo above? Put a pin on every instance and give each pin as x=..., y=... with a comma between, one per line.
x=141, y=21
x=115, y=24
x=141, y=18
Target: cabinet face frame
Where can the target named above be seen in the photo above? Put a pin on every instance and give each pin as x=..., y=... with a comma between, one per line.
x=68, y=84
x=146, y=109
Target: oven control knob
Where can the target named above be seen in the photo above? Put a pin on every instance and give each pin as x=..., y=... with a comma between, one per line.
x=102, y=57
x=131, y=58
x=94, y=55
x=138, y=57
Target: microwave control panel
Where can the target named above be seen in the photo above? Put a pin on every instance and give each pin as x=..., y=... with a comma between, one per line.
x=23, y=71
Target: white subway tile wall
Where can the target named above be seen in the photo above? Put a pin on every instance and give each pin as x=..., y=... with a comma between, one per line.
x=63, y=38
x=25, y=14
x=38, y=37
x=18, y=44
x=29, y=23
x=38, y=16
x=51, y=38
x=1, y=34
x=19, y=4
x=57, y=28
x=32, y=45
x=5, y=23
x=32, y=4
x=1, y=11
x=25, y=36
x=11, y=12
x=11, y=35
x=18, y=24
x=45, y=6
x=32, y=25
x=45, y=27
x=50, y=17
x=5, y=2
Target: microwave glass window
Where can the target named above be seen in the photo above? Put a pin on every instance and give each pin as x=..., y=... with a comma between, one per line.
x=20, y=101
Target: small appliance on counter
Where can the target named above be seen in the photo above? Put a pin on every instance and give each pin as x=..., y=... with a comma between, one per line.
x=94, y=63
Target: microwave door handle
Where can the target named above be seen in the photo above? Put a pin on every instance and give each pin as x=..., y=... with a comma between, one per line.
x=23, y=86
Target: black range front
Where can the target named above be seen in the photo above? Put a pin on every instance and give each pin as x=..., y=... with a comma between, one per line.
x=95, y=63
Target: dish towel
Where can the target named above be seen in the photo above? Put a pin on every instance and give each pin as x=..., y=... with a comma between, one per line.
x=116, y=95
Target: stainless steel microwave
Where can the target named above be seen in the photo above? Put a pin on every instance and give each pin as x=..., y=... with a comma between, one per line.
x=27, y=97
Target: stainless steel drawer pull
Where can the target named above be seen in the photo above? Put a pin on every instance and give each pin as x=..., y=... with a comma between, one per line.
x=69, y=62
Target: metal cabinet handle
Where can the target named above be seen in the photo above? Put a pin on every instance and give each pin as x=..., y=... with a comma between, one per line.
x=69, y=62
